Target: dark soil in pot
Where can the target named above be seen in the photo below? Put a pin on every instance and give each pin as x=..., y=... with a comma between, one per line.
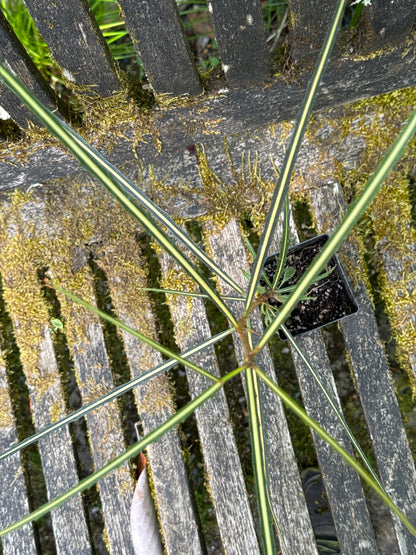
x=332, y=295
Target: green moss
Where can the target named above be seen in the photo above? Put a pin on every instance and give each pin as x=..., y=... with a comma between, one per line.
x=21, y=249
x=245, y=195
x=6, y=414
x=390, y=215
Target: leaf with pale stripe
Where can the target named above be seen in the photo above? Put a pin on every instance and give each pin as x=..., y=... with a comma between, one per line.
x=114, y=393
x=181, y=415
x=282, y=187
x=110, y=179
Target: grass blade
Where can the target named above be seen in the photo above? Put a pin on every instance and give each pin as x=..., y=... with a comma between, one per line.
x=113, y=394
x=131, y=452
x=333, y=405
x=282, y=186
x=352, y=215
x=151, y=342
x=349, y=459
x=110, y=178
x=188, y=293
x=284, y=244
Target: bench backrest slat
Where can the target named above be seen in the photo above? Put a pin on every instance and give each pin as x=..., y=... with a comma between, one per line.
x=12, y=480
x=76, y=43
x=389, y=22
x=239, y=29
x=308, y=23
x=157, y=34
x=371, y=373
x=15, y=56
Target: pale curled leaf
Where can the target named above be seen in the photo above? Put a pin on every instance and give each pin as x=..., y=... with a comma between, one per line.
x=144, y=528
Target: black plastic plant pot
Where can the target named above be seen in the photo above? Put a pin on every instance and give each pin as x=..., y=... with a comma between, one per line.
x=331, y=297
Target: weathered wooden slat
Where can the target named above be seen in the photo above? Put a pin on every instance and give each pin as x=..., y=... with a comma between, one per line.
x=285, y=488
x=45, y=241
x=156, y=32
x=388, y=23
x=398, y=265
x=223, y=468
x=15, y=57
x=371, y=372
x=33, y=338
x=76, y=43
x=12, y=482
x=228, y=114
x=104, y=424
x=121, y=261
x=239, y=30
x=342, y=484
x=308, y=23
x=395, y=243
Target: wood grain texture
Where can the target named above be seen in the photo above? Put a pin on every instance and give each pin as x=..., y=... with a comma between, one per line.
x=104, y=430
x=44, y=383
x=121, y=261
x=223, y=468
x=308, y=24
x=158, y=36
x=374, y=384
x=14, y=503
x=76, y=43
x=15, y=57
x=388, y=23
x=239, y=30
x=284, y=481
x=227, y=114
x=342, y=484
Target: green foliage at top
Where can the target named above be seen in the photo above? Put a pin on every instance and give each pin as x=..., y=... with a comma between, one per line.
x=110, y=21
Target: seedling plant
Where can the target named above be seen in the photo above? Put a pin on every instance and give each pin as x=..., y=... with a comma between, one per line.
x=177, y=243
x=276, y=289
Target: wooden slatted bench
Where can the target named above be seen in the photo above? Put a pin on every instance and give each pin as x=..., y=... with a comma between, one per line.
x=206, y=159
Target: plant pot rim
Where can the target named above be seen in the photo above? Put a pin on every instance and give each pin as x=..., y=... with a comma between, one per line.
x=342, y=278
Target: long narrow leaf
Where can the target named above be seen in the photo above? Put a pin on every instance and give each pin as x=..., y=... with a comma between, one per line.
x=284, y=244
x=188, y=293
x=333, y=405
x=293, y=406
x=149, y=341
x=131, y=452
x=113, y=394
x=110, y=178
x=259, y=466
x=282, y=186
x=164, y=218
x=351, y=216
x=58, y=128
